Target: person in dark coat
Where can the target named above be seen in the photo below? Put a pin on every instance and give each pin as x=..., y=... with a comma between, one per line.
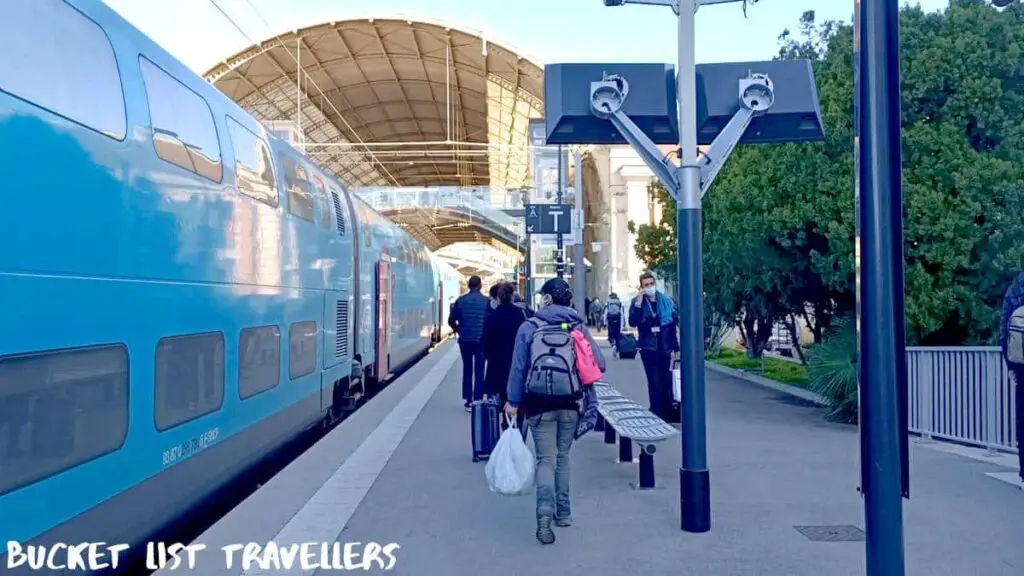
x=1013, y=299
x=500, y=330
x=467, y=320
x=651, y=313
x=493, y=296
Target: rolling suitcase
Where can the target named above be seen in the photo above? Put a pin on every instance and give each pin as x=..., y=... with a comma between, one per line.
x=626, y=347
x=486, y=426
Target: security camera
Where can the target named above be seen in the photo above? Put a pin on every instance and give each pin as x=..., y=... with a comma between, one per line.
x=613, y=2
x=757, y=92
x=607, y=96
x=996, y=3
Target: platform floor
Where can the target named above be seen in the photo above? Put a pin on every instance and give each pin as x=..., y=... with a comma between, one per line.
x=400, y=471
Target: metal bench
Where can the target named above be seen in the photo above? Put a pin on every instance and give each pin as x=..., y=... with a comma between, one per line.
x=618, y=415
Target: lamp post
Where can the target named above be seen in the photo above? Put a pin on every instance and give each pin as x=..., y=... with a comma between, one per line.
x=694, y=476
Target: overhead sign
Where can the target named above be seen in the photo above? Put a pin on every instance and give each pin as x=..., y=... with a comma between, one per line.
x=548, y=218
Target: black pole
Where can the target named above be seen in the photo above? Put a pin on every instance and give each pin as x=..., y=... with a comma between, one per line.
x=559, y=259
x=529, y=273
x=694, y=477
x=879, y=210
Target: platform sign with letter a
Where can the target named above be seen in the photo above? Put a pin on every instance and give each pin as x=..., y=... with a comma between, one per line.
x=548, y=218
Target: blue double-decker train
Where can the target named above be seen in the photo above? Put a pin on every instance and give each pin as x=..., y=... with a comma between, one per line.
x=182, y=294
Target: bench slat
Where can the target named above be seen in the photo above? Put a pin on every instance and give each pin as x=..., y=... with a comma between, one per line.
x=628, y=418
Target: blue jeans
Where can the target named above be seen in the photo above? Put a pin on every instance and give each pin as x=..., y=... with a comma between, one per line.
x=472, y=370
x=552, y=438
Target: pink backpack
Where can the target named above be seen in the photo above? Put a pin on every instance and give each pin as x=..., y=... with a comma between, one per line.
x=586, y=365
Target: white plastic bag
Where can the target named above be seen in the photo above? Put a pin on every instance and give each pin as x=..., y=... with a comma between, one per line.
x=510, y=469
x=677, y=394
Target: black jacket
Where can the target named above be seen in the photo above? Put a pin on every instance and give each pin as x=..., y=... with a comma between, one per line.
x=468, y=315
x=500, y=330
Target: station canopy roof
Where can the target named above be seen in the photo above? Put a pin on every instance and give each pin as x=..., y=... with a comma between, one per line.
x=395, y=102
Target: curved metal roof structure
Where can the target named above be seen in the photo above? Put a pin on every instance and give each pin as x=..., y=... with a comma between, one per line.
x=394, y=102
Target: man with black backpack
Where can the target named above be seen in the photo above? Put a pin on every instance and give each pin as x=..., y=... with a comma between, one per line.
x=1011, y=340
x=613, y=318
x=546, y=385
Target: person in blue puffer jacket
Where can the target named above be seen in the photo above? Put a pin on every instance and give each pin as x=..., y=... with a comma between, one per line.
x=467, y=320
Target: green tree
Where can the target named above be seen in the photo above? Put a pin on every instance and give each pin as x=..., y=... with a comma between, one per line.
x=779, y=221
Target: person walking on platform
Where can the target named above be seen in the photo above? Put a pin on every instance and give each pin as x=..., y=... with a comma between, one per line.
x=1012, y=301
x=467, y=320
x=613, y=318
x=500, y=331
x=546, y=398
x=651, y=313
x=595, y=313
x=493, y=298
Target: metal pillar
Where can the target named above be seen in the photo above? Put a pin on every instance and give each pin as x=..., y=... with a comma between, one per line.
x=559, y=249
x=686, y=183
x=694, y=477
x=579, y=269
x=528, y=296
x=880, y=299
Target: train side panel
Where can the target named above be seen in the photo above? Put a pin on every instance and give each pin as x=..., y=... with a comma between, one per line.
x=187, y=295
x=173, y=322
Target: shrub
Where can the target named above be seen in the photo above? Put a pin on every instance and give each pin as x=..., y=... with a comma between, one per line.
x=832, y=370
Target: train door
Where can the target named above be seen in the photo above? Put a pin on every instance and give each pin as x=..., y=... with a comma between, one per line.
x=382, y=364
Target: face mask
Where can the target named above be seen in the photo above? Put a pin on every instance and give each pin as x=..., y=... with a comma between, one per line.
x=650, y=290
x=545, y=300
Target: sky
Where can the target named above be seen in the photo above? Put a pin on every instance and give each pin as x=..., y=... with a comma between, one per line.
x=546, y=31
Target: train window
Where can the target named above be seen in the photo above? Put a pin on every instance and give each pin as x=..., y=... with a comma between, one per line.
x=301, y=349
x=321, y=201
x=259, y=360
x=183, y=130
x=76, y=78
x=254, y=170
x=189, y=379
x=300, y=189
x=59, y=409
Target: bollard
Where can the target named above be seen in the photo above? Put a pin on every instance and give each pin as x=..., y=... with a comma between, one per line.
x=647, y=466
x=609, y=434
x=599, y=425
x=625, y=450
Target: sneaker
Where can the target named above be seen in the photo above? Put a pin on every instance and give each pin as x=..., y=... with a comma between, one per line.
x=468, y=406
x=563, y=522
x=544, y=533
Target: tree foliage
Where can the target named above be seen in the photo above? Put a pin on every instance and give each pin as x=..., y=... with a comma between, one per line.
x=779, y=221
